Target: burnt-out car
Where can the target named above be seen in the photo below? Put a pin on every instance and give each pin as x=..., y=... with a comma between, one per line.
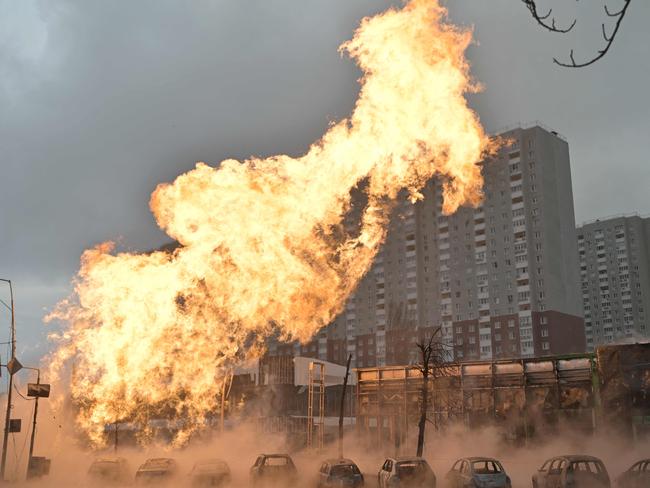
x=109, y=471
x=477, y=472
x=339, y=472
x=157, y=472
x=406, y=472
x=573, y=471
x=271, y=468
x=638, y=476
x=212, y=472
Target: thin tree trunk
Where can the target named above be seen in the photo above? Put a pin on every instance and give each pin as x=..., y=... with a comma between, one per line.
x=423, y=412
x=342, y=409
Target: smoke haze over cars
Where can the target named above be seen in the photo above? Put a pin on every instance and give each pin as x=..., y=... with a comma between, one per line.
x=240, y=447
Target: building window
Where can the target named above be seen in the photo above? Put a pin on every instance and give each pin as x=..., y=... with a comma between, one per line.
x=545, y=346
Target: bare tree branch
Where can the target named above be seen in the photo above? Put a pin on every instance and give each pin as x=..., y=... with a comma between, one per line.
x=609, y=40
x=530, y=4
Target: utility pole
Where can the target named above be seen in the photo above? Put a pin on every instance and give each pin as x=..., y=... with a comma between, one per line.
x=342, y=410
x=36, y=390
x=33, y=437
x=31, y=441
x=11, y=370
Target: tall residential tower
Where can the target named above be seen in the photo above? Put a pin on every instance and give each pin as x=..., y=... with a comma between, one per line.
x=501, y=280
x=615, y=274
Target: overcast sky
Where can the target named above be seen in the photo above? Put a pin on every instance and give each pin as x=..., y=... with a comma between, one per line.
x=101, y=101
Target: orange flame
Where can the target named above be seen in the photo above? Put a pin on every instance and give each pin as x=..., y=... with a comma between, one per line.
x=263, y=249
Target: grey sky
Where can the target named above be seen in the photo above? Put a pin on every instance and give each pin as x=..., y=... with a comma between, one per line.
x=100, y=101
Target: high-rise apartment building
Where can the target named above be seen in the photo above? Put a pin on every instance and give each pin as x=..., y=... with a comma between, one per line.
x=615, y=274
x=500, y=280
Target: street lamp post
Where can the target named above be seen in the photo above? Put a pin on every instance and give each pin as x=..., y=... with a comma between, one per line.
x=11, y=382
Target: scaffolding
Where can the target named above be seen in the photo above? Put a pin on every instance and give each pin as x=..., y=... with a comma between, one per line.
x=523, y=395
x=316, y=387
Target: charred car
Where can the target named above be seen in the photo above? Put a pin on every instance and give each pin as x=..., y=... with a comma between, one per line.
x=339, y=473
x=638, y=476
x=213, y=472
x=273, y=468
x=574, y=471
x=109, y=471
x=477, y=472
x=157, y=471
x=406, y=472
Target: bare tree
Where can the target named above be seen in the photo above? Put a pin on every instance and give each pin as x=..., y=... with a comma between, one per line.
x=434, y=357
x=547, y=21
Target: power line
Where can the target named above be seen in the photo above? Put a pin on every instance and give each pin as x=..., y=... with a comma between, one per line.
x=22, y=396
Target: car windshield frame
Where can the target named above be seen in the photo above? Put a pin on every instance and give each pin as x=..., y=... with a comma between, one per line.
x=150, y=473
x=287, y=462
x=158, y=463
x=350, y=469
x=418, y=467
x=576, y=466
x=484, y=470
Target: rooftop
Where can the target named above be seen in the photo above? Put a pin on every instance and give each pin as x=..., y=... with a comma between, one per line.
x=613, y=217
x=529, y=125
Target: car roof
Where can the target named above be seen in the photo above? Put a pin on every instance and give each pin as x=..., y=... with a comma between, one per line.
x=157, y=462
x=473, y=459
x=404, y=459
x=276, y=455
x=110, y=460
x=336, y=461
x=579, y=457
x=639, y=461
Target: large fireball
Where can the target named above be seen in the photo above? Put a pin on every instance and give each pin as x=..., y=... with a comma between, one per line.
x=263, y=249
